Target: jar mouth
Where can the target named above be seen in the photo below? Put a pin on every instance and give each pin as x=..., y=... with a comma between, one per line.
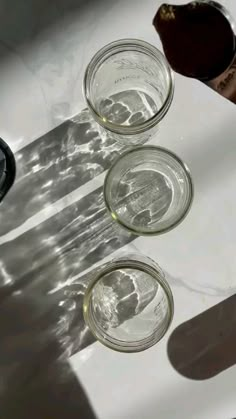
x=158, y=230
x=100, y=57
x=114, y=343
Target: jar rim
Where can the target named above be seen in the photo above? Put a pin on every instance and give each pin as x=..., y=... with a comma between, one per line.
x=150, y=148
x=111, y=49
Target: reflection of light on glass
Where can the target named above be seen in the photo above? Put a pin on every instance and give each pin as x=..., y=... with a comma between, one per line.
x=114, y=216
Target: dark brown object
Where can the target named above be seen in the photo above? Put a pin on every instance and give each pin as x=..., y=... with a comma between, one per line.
x=197, y=39
x=7, y=169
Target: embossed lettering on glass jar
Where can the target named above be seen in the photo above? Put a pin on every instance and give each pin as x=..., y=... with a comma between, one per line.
x=129, y=87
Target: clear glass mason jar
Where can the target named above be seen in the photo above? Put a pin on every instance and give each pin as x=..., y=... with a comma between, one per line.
x=128, y=305
x=129, y=87
x=148, y=190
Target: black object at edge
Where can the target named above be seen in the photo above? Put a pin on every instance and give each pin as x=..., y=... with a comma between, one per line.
x=10, y=171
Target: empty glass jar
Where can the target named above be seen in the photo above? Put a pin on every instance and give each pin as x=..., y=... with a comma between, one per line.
x=128, y=305
x=128, y=87
x=148, y=190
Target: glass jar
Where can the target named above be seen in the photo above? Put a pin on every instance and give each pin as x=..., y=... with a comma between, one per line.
x=129, y=87
x=128, y=305
x=148, y=190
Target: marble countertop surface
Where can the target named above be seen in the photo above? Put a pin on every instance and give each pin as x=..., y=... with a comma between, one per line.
x=54, y=229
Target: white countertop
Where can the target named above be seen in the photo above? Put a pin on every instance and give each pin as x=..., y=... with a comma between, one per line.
x=40, y=84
